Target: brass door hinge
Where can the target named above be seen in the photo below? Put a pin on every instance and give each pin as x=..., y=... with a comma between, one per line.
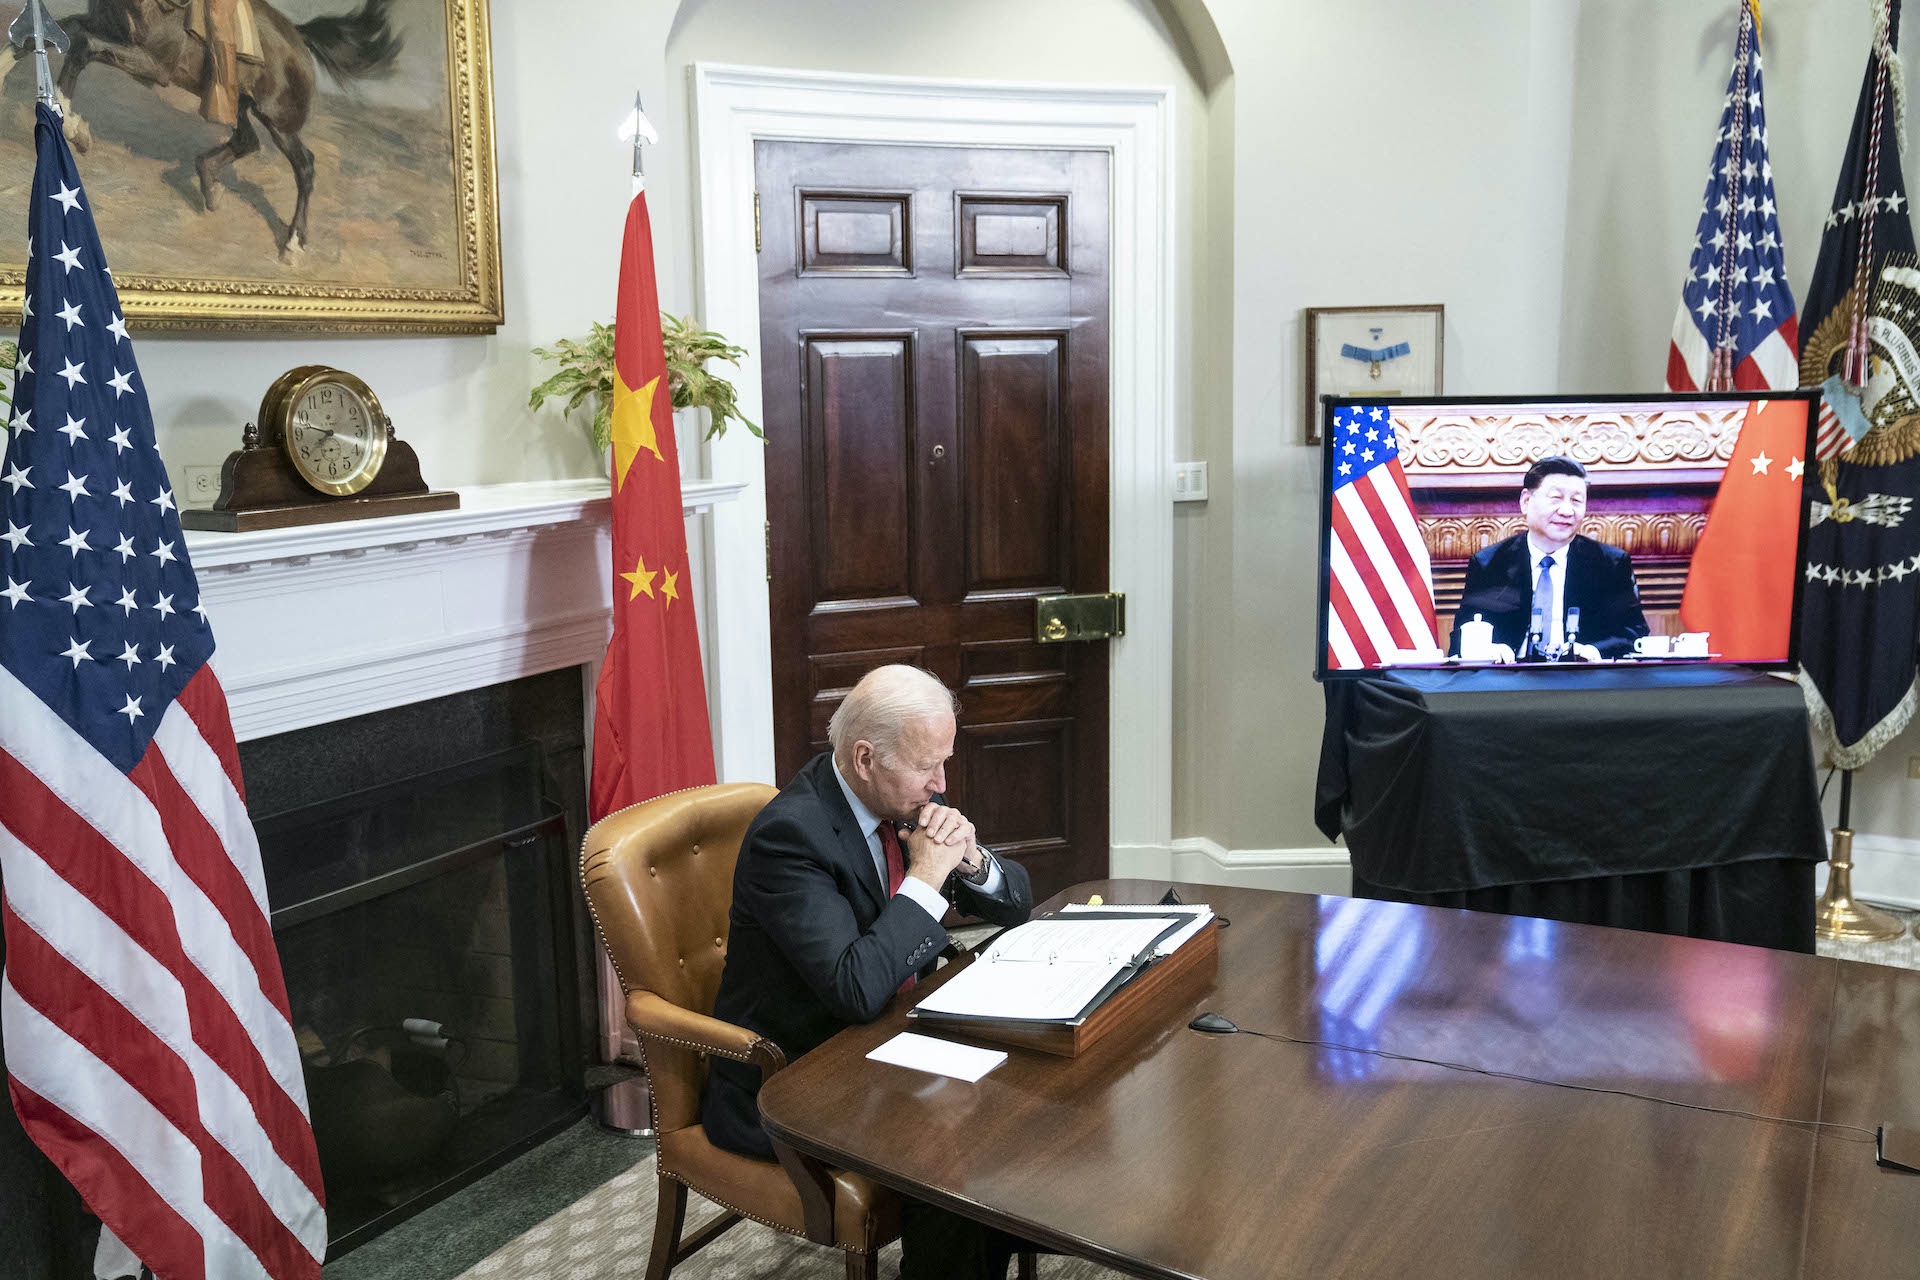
x=1059, y=619
x=769, y=551
x=756, y=222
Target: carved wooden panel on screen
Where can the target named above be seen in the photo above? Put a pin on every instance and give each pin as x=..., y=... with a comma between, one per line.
x=934, y=347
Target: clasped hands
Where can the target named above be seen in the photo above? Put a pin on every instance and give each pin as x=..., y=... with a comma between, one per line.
x=1503, y=654
x=941, y=844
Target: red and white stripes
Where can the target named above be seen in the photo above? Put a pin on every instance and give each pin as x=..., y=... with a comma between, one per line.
x=1380, y=592
x=149, y=1046
x=1774, y=365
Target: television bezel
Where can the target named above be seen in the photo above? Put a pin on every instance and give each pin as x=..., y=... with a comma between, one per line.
x=1330, y=404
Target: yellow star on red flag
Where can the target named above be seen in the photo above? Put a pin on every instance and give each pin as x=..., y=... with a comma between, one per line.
x=632, y=424
x=641, y=578
x=650, y=718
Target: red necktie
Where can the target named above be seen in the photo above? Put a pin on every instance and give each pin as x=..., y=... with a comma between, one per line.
x=896, y=861
x=896, y=872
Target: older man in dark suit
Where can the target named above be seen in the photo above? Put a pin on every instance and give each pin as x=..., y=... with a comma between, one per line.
x=1582, y=592
x=836, y=908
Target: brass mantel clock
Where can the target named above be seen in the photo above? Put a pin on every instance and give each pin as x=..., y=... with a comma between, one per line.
x=323, y=449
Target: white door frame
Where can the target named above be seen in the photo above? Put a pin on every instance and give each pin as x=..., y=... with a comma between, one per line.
x=735, y=106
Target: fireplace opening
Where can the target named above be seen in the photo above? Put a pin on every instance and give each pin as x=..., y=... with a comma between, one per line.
x=432, y=941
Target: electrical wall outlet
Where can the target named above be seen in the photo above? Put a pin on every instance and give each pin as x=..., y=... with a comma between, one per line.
x=1189, y=482
x=203, y=486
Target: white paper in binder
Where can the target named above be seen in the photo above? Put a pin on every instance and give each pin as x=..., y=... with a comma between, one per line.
x=1050, y=970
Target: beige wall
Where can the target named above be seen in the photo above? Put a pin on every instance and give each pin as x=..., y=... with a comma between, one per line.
x=1388, y=153
x=1327, y=154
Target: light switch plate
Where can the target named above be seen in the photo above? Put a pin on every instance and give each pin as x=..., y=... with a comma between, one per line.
x=1189, y=482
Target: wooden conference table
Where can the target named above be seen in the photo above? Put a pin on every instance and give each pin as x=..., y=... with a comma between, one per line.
x=1168, y=1152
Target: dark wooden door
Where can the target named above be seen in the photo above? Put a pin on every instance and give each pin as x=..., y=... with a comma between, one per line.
x=934, y=344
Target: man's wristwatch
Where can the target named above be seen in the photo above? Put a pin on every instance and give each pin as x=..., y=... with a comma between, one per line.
x=986, y=867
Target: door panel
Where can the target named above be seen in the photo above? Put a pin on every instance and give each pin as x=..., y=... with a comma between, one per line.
x=1011, y=432
x=859, y=477
x=934, y=346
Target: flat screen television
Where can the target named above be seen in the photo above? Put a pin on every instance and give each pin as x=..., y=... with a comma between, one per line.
x=1477, y=532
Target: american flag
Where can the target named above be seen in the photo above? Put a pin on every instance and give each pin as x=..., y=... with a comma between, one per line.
x=1380, y=580
x=149, y=1050
x=1736, y=329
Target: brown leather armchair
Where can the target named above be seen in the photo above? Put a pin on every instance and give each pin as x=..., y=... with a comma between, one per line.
x=659, y=881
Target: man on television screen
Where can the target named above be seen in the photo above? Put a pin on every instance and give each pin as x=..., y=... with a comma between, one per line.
x=1549, y=591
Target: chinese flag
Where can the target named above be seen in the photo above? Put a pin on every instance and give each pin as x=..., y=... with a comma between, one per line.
x=1740, y=584
x=650, y=729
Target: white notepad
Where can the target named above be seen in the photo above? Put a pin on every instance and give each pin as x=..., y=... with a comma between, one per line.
x=1200, y=912
x=1047, y=970
x=940, y=1057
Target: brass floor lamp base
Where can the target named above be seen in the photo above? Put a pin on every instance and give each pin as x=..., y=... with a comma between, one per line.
x=1838, y=914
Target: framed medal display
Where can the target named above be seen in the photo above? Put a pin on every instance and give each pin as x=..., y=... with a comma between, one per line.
x=1372, y=351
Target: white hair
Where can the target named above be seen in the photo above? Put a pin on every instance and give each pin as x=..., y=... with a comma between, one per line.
x=882, y=705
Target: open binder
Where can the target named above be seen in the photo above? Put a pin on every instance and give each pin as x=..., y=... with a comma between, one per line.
x=1057, y=983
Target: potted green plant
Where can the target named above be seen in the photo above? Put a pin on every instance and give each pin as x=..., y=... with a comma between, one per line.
x=586, y=375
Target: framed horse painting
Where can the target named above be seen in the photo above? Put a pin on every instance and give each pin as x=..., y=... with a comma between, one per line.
x=274, y=164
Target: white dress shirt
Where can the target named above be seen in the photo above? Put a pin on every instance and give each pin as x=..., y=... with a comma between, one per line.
x=1556, y=620
x=919, y=890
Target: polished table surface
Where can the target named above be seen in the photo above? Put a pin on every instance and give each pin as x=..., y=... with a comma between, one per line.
x=1167, y=1152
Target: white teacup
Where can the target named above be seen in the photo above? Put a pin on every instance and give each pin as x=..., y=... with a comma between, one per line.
x=1690, y=644
x=1653, y=646
x=1476, y=640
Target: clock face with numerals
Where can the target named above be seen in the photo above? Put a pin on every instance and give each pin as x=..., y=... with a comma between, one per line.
x=335, y=434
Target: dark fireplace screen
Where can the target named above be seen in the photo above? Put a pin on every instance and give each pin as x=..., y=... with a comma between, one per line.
x=425, y=927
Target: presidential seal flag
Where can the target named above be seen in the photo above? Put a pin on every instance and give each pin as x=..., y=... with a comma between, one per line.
x=1735, y=327
x=1861, y=604
x=1869, y=218
x=148, y=1046
x=1861, y=601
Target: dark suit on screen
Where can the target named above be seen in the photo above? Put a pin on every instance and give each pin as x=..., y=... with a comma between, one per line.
x=815, y=944
x=1599, y=583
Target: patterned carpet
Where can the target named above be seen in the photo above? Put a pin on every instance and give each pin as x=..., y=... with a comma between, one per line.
x=607, y=1236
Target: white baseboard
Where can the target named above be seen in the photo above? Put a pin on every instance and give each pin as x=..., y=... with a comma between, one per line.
x=1885, y=869
x=1198, y=860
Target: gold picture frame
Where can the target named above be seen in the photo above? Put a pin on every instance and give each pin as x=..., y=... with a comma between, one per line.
x=403, y=221
x=1418, y=371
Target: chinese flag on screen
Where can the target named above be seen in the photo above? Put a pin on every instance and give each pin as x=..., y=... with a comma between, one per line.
x=650, y=729
x=1740, y=584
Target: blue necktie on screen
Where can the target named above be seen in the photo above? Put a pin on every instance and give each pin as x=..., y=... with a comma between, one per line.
x=1543, y=599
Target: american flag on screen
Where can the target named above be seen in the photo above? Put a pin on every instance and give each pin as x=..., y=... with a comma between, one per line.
x=1380, y=581
x=149, y=1050
x=1736, y=327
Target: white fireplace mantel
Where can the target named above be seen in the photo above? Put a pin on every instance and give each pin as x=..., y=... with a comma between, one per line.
x=323, y=622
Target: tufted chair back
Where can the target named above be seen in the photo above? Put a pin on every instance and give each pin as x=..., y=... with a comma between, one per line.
x=659, y=881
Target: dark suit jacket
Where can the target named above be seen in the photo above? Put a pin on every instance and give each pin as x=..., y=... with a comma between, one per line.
x=1599, y=584
x=814, y=944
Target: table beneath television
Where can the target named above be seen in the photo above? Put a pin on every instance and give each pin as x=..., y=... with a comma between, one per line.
x=1672, y=799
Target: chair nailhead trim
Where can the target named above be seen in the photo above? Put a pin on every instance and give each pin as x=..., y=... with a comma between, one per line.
x=756, y=1217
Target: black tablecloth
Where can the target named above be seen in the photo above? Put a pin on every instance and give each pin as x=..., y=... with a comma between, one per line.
x=1679, y=799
